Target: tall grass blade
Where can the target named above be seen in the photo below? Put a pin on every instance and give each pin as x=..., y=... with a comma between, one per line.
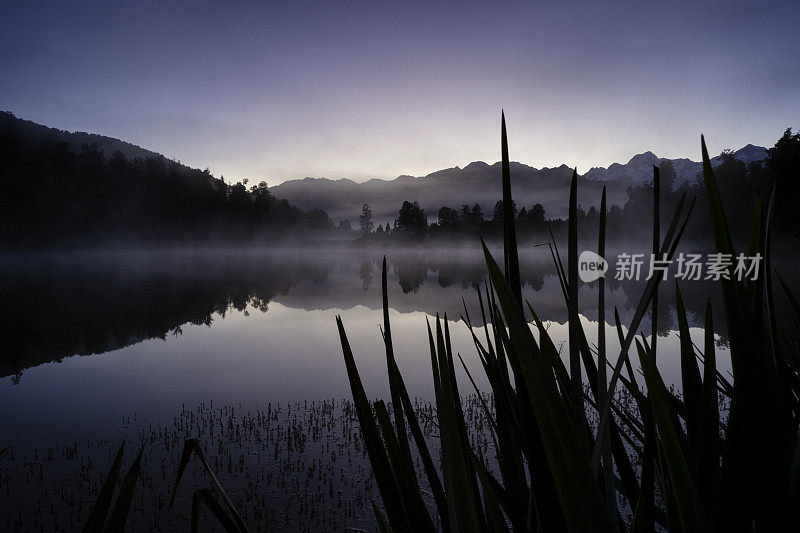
x=688, y=506
x=708, y=461
x=602, y=378
x=459, y=483
x=756, y=406
x=387, y=484
x=391, y=364
x=383, y=525
x=575, y=374
x=510, y=252
x=404, y=474
x=119, y=515
x=667, y=250
x=495, y=520
x=193, y=446
x=793, y=301
x=692, y=386
x=656, y=242
x=564, y=446
x=204, y=497
x=97, y=516
x=422, y=446
x=644, y=514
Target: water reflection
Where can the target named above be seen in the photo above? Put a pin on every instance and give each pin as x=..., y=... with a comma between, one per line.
x=162, y=330
x=83, y=304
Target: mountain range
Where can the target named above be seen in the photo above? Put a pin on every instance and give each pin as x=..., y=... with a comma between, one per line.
x=479, y=182
x=640, y=167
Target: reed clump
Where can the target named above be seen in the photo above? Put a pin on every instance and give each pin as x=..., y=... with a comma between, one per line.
x=657, y=460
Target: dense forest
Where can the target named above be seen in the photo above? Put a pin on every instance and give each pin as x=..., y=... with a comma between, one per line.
x=54, y=195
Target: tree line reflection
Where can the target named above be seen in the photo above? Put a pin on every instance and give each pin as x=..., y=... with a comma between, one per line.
x=83, y=304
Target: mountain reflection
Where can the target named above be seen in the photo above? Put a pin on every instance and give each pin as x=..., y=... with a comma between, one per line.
x=59, y=305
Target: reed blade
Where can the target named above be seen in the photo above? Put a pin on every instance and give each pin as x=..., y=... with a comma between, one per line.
x=692, y=386
x=193, y=446
x=387, y=484
x=689, y=508
x=656, y=242
x=461, y=496
x=97, y=516
x=565, y=448
x=510, y=252
x=710, y=450
x=404, y=474
x=119, y=515
x=575, y=374
x=667, y=249
x=204, y=497
x=391, y=364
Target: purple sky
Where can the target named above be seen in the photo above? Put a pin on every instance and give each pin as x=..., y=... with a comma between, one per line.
x=342, y=89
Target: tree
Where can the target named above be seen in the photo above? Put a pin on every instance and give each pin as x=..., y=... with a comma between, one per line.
x=448, y=218
x=365, y=223
x=318, y=219
x=783, y=169
x=497, y=214
x=536, y=215
x=476, y=216
x=239, y=197
x=411, y=220
x=344, y=225
x=464, y=215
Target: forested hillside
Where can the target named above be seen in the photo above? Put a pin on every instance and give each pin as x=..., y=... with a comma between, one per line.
x=54, y=195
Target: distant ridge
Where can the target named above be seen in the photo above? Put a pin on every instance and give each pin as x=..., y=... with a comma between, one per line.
x=640, y=167
x=478, y=182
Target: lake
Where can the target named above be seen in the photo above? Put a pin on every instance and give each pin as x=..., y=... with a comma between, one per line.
x=102, y=347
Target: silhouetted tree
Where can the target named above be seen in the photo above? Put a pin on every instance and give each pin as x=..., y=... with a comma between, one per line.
x=318, y=219
x=536, y=214
x=411, y=220
x=449, y=219
x=783, y=169
x=475, y=219
x=365, y=223
x=497, y=214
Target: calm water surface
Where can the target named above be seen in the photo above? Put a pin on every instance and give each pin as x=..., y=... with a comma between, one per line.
x=92, y=338
x=240, y=349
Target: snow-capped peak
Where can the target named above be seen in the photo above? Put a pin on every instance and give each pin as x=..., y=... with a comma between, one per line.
x=639, y=169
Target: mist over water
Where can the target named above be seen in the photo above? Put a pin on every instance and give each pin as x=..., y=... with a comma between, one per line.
x=92, y=337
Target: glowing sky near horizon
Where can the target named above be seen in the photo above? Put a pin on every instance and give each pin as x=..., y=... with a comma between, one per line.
x=283, y=90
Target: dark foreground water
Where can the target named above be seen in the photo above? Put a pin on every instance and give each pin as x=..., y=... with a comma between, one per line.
x=241, y=349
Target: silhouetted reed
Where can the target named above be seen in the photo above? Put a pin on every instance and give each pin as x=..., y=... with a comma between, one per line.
x=656, y=460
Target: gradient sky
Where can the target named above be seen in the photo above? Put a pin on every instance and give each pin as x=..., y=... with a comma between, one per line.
x=283, y=90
